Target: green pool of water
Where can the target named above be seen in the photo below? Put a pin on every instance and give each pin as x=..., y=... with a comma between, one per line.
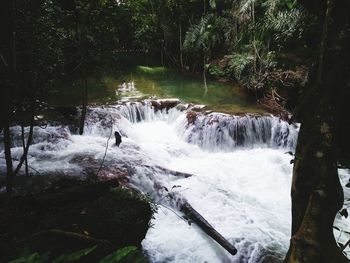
x=159, y=82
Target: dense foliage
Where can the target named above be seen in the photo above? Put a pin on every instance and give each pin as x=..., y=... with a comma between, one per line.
x=249, y=41
x=241, y=40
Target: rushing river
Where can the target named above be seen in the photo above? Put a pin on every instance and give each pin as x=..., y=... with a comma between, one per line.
x=240, y=174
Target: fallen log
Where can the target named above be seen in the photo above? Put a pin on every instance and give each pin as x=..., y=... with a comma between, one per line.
x=196, y=217
x=200, y=221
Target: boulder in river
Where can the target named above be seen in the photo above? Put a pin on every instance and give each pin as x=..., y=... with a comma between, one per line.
x=167, y=104
x=191, y=117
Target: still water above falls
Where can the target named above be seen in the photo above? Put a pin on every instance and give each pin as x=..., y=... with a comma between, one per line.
x=160, y=83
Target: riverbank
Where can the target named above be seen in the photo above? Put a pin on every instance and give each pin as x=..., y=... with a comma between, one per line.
x=96, y=218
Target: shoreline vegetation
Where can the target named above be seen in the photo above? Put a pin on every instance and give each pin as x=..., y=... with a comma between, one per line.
x=75, y=220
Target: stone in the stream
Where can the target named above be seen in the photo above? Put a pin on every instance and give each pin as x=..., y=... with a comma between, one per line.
x=191, y=117
x=182, y=107
x=164, y=104
x=118, y=138
x=197, y=107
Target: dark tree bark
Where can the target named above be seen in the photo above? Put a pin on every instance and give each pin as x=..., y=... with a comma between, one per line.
x=316, y=191
x=27, y=145
x=9, y=164
x=84, y=106
x=7, y=81
x=24, y=148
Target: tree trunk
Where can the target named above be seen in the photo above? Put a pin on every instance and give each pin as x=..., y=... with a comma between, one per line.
x=181, y=49
x=10, y=70
x=205, y=71
x=29, y=142
x=24, y=148
x=254, y=40
x=9, y=165
x=84, y=106
x=316, y=191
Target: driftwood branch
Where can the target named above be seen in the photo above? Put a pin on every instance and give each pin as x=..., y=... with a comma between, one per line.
x=200, y=221
x=196, y=217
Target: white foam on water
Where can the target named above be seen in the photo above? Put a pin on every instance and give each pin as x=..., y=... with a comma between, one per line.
x=244, y=194
x=240, y=182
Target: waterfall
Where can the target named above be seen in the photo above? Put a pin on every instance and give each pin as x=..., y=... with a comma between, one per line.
x=213, y=132
x=240, y=173
x=222, y=132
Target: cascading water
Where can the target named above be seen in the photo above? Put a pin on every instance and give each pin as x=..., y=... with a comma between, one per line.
x=240, y=174
x=217, y=131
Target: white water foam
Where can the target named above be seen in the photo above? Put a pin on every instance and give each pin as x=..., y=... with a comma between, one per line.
x=240, y=182
x=244, y=194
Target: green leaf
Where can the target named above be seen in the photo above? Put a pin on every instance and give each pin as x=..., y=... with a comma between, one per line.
x=119, y=255
x=33, y=258
x=212, y=4
x=74, y=256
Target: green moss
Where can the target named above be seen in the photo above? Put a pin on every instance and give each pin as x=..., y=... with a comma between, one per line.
x=152, y=70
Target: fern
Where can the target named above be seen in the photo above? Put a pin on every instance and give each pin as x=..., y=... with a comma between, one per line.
x=239, y=63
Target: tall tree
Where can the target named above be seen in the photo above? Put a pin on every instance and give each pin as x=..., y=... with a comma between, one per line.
x=316, y=192
x=8, y=71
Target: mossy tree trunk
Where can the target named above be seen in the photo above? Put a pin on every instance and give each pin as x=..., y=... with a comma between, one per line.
x=316, y=191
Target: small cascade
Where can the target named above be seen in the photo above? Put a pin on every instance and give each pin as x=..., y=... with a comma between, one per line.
x=49, y=135
x=149, y=110
x=136, y=111
x=212, y=132
x=222, y=132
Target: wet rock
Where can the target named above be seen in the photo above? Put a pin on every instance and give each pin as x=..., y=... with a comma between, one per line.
x=164, y=104
x=103, y=117
x=118, y=138
x=191, y=117
x=182, y=107
x=197, y=107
